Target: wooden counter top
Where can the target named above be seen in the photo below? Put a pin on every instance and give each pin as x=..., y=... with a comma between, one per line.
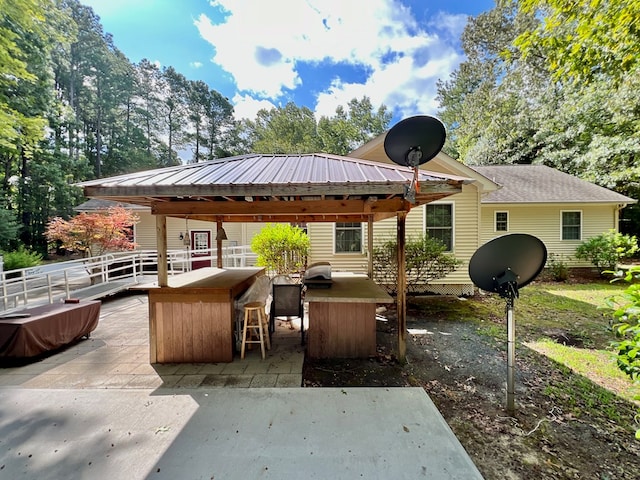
x=210, y=277
x=349, y=289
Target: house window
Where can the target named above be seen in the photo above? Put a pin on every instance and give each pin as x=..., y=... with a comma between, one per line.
x=301, y=225
x=129, y=233
x=201, y=240
x=439, y=223
x=348, y=237
x=502, y=221
x=571, y=225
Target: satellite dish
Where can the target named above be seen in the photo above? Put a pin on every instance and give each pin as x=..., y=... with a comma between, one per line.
x=503, y=265
x=516, y=259
x=415, y=140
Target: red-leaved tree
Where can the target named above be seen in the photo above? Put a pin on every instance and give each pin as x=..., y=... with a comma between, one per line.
x=94, y=234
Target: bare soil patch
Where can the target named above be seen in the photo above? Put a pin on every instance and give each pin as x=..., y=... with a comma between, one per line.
x=565, y=427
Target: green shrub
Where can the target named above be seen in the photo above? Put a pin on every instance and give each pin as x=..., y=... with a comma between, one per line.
x=425, y=260
x=608, y=249
x=626, y=312
x=21, y=258
x=557, y=267
x=281, y=248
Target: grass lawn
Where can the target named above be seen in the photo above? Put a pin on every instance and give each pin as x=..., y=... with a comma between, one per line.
x=599, y=366
x=566, y=322
x=574, y=309
x=548, y=313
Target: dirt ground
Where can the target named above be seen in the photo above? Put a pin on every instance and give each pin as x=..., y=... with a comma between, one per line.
x=553, y=435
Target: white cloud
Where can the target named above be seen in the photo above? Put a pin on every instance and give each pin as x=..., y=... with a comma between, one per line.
x=196, y=64
x=245, y=106
x=262, y=44
x=450, y=25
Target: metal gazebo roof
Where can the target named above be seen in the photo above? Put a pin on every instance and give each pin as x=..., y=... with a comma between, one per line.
x=259, y=187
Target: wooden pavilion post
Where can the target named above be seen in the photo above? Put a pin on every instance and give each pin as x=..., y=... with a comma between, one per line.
x=161, y=239
x=218, y=243
x=370, y=246
x=401, y=297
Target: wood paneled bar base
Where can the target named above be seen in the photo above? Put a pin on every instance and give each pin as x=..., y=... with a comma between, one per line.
x=192, y=319
x=342, y=318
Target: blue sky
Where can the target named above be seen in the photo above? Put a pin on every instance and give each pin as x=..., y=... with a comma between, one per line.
x=316, y=53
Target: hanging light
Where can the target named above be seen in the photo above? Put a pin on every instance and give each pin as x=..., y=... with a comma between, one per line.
x=221, y=234
x=186, y=238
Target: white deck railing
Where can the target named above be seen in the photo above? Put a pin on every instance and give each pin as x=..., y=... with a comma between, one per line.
x=51, y=282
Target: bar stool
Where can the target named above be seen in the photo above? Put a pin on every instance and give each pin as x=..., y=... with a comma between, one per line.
x=255, y=324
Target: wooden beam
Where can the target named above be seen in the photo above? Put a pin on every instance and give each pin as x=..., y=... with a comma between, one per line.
x=363, y=218
x=296, y=207
x=269, y=190
x=370, y=247
x=250, y=190
x=422, y=198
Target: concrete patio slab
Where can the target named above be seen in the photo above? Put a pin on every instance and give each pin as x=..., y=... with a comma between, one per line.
x=98, y=409
x=222, y=433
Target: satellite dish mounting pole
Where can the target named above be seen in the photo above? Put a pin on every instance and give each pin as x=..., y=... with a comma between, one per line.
x=511, y=358
x=401, y=297
x=506, y=284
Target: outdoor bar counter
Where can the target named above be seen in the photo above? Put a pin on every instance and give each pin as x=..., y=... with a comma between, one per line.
x=342, y=318
x=192, y=319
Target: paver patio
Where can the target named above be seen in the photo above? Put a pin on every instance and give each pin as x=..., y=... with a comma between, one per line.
x=117, y=356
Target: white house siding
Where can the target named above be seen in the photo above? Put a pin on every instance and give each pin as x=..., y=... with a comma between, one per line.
x=248, y=231
x=145, y=231
x=321, y=236
x=385, y=230
x=544, y=222
x=466, y=231
x=466, y=209
x=322, y=241
x=466, y=235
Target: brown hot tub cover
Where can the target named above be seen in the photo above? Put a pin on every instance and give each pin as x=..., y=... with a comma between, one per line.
x=46, y=328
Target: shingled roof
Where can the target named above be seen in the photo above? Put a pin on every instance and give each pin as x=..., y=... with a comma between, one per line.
x=542, y=184
x=99, y=205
